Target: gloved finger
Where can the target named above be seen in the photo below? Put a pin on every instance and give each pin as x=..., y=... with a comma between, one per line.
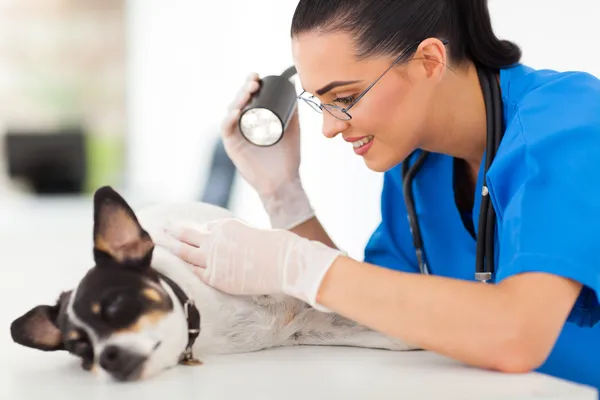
x=253, y=76
x=240, y=97
x=243, y=96
x=250, y=86
x=167, y=241
x=229, y=125
x=188, y=232
x=185, y=251
x=203, y=274
x=190, y=254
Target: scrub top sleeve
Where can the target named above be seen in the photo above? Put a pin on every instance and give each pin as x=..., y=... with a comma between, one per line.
x=390, y=246
x=551, y=220
x=575, y=355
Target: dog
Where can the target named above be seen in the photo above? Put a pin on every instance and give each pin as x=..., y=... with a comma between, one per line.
x=141, y=310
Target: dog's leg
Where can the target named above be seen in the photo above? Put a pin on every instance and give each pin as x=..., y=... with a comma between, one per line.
x=312, y=327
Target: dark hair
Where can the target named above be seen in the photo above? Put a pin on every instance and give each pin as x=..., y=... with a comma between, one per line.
x=392, y=26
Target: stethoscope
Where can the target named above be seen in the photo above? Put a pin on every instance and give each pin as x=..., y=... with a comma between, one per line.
x=484, y=264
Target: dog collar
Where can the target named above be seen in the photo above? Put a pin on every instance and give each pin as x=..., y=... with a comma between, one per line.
x=192, y=316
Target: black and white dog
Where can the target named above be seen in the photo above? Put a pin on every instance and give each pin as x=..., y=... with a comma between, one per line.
x=141, y=310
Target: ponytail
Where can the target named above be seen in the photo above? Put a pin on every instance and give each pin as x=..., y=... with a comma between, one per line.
x=479, y=42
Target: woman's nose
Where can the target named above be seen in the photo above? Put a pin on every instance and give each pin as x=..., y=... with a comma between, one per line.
x=332, y=126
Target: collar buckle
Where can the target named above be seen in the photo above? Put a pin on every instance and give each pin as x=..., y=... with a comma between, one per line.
x=187, y=358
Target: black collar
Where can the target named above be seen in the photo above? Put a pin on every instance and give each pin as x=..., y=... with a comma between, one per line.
x=193, y=317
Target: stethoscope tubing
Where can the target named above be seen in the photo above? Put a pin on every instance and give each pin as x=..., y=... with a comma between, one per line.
x=484, y=264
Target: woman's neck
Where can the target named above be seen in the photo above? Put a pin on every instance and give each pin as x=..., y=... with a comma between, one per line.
x=460, y=124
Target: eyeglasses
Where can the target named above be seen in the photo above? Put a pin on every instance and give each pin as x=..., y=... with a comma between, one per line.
x=342, y=113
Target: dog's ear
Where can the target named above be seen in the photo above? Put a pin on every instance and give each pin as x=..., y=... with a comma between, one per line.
x=38, y=328
x=117, y=233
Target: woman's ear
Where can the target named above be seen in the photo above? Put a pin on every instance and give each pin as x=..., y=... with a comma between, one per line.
x=119, y=239
x=433, y=58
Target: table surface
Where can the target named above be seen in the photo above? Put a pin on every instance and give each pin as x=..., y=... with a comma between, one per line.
x=297, y=373
x=46, y=248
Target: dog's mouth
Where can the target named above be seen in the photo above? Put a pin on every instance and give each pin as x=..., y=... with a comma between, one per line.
x=129, y=372
x=128, y=368
x=133, y=375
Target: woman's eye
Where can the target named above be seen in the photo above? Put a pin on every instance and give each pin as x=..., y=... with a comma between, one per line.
x=345, y=100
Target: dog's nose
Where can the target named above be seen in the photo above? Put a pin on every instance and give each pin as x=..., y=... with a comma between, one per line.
x=121, y=363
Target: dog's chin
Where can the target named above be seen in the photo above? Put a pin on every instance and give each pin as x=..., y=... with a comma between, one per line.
x=103, y=376
x=157, y=363
x=143, y=372
x=106, y=377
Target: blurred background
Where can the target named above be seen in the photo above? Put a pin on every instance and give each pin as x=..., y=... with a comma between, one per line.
x=131, y=93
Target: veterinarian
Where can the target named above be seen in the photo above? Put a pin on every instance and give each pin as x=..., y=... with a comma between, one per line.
x=401, y=80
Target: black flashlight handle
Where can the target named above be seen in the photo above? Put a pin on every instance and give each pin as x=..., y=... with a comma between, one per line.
x=277, y=94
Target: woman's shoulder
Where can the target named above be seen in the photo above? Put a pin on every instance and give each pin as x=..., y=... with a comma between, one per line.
x=552, y=131
x=544, y=98
x=547, y=107
x=520, y=82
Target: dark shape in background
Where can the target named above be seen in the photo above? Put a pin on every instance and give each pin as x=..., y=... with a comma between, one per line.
x=50, y=163
x=221, y=176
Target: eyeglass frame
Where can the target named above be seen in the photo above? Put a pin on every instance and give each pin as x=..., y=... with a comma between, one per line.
x=344, y=110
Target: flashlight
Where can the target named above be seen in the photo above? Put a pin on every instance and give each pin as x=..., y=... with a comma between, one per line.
x=266, y=116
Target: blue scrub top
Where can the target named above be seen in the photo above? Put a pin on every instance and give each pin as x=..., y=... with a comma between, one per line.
x=545, y=187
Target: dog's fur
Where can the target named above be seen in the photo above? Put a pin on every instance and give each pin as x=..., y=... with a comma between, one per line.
x=124, y=306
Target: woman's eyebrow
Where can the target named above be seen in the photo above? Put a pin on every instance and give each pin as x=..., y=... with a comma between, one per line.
x=332, y=85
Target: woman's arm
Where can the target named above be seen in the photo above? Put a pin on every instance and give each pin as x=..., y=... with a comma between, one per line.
x=509, y=327
x=289, y=207
x=313, y=230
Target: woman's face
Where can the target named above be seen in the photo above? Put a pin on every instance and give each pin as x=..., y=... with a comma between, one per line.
x=391, y=116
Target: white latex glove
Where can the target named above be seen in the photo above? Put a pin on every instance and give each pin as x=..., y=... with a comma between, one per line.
x=236, y=258
x=272, y=171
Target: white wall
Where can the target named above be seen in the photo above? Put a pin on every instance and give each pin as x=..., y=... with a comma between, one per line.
x=188, y=58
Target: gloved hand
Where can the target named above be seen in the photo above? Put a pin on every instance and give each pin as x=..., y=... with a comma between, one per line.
x=236, y=258
x=272, y=171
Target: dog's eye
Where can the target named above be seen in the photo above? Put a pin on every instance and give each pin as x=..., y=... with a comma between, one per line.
x=112, y=307
x=119, y=308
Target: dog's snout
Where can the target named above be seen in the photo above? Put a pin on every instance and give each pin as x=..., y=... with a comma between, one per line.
x=110, y=358
x=121, y=363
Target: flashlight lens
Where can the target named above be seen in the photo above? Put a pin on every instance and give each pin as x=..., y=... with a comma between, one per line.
x=261, y=126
